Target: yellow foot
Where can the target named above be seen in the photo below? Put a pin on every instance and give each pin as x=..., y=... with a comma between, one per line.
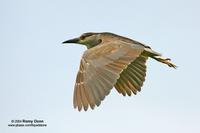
x=166, y=61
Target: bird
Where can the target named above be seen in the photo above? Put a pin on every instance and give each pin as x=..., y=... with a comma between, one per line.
x=110, y=61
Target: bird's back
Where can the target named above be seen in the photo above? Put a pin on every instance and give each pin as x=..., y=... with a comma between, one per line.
x=114, y=37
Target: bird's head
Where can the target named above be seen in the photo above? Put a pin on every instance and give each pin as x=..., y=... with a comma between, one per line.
x=88, y=39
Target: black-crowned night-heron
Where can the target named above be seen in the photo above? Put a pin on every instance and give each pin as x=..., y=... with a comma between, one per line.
x=110, y=61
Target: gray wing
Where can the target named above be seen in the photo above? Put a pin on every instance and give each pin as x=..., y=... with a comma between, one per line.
x=100, y=69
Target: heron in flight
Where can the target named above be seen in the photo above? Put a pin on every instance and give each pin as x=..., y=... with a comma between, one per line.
x=110, y=61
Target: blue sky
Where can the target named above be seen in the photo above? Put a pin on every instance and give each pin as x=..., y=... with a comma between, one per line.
x=38, y=72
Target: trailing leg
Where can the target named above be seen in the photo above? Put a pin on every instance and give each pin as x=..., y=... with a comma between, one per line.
x=164, y=60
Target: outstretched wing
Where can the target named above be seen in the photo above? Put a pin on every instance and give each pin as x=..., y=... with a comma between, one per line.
x=132, y=78
x=100, y=68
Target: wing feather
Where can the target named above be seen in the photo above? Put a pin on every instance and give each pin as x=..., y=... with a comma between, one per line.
x=100, y=70
x=124, y=86
x=83, y=97
x=132, y=77
x=132, y=82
